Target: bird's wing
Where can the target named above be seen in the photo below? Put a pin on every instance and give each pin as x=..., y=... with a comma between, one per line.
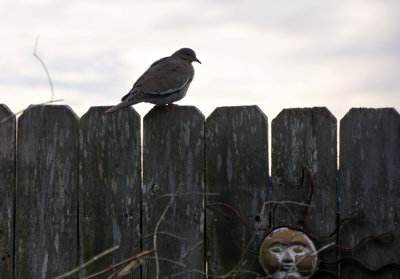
x=133, y=93
x=165, y=76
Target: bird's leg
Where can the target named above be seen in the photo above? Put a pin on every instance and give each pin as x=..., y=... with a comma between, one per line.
x=170, y=105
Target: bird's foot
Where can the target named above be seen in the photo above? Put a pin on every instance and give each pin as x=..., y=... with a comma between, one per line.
x=167, y=106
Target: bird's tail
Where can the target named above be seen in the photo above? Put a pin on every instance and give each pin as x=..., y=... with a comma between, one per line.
x=124, y=103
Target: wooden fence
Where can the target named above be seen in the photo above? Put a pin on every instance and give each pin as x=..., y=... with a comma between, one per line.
x=73, y=187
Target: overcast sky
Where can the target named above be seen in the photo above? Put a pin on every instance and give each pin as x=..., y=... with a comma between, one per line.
x=275, y=54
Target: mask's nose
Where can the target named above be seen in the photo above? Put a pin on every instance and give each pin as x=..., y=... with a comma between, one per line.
x=287, y=258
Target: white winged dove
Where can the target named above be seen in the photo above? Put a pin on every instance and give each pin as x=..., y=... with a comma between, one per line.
x=166, y=81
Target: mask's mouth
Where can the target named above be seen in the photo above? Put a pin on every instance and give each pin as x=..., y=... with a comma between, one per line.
x=288, y=267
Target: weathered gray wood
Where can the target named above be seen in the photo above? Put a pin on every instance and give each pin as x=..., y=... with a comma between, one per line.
x=370, y=180
x=109, y=186
x=173, y=163
x=7, y=190
x=305, y=137
x=237, y=169
x=46, y=236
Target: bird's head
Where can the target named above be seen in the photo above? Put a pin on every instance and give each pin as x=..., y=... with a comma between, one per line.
x=186, y=54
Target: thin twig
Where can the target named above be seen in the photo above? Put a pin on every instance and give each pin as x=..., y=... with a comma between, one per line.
x=92, y=260
x=185, y=272
x=244, y=252
x=140, y=255
x=167, y=260
x=165, y=233
x=287, y=202
x=283, y=203
x=236, y=270
x=49, y=79
x=44, y=67
x=21, y=111
x=189, y=193
x=190, y=250
x=311, y=254
x=186, y=253
x=156, y=230
x=127, y=270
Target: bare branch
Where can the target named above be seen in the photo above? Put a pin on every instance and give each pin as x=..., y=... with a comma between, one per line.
x=284, y=204
x=165, y=233
x=190, y=250
x=95, y=258
x=156, y=230
x=21, y=111
x=189, y=193
x=128, y=269
x=185, y=272
x=311, y=254
x=186, y=253
x=138, y=256
x=167, y=260
x=44, y=67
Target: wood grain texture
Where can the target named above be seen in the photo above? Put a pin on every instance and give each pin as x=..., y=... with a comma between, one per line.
x=109, y=186
x=173, y=163
x=7, y=189
x=46, y=196
x=306, y=137
x=370, y=180
x=237, y=169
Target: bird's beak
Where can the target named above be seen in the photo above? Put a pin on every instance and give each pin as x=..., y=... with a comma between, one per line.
x=197, y=60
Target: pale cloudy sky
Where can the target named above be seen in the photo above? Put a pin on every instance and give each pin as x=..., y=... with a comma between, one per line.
x=276, y=54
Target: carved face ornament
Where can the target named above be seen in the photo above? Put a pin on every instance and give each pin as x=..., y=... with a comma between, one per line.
x=288, y=254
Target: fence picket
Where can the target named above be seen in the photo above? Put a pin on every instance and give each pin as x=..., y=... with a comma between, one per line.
x=370, y=180
x=109, y=186
x=237, y=169
x=7, y=189
x=46, y=237
x=173, y=163
x=305, y=137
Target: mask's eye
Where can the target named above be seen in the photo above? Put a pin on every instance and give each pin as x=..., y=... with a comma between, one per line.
x=298, y=249
x=275, y=249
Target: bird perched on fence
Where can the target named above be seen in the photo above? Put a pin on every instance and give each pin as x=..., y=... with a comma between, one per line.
x=166, y=81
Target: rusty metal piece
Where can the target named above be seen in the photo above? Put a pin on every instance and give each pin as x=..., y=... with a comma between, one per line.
x=384, y=238
x=329, y=272
x=303, y=223
x=367, y=269
x=310, y=194
x=355, y=215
